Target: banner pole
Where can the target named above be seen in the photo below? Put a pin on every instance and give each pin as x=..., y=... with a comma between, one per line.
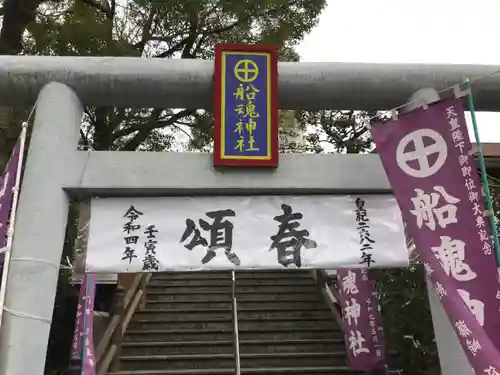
x=484, y=175
x=12, y=219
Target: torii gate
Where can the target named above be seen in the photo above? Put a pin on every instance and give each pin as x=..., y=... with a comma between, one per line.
x=56, y=171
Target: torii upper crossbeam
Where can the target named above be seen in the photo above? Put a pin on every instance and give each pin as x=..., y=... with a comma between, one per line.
x=161, y=83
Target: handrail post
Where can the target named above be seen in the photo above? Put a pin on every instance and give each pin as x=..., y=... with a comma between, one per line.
x=320, y=281
x=142, y=286
x=323, y=285
x=118, y=333
x=236, y=339
x=129, y=297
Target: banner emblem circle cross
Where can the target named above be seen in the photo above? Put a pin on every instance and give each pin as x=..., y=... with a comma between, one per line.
x=246, y=71
x=421, y=153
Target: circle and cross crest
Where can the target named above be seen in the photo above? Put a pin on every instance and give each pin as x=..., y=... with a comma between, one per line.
x=421, y=153
x=246, y=70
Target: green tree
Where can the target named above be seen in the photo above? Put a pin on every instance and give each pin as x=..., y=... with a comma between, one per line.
x=168, y=29
x=494, y=184
x=161, y=29
x=407, y=320
x=339, y=131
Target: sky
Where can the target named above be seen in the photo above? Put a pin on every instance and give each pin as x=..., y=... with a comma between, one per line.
x=404, y=31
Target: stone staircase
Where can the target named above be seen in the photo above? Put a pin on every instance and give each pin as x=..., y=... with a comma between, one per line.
x=186, y=327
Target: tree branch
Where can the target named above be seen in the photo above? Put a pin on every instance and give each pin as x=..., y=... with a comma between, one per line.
x=84, y=139
x=17, y=15
x=175, y=48
x=139, y=125
x=193, y=35
x=247, y=17
x=102, y=129
x=186, y=44
x=103, y=6
x=146, y=31
x=230, y=26
x=190, y=46
x=152, y=124
x=166, y=39
x=182, y=130
x=210, y=11
x=112, y=7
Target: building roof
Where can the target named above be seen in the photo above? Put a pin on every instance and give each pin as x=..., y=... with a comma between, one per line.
x=491, y=153
x=491, y=149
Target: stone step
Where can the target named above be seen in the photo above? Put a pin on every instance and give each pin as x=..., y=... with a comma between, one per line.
x=189, y=289
x=227, y=274
x=275, y=281
x=274, y=289
x=159, y=295
x=242, y=305
x=226, y=347
x=281, y=305
x=244, y=323
x=274, y=274
x=152, y=348
x=179, y=335
x=291, y=332
x=265, y=314
x=196, y=324
x=183, y=314
x=162, y=283
x=293, y=345
x=280, y=281
x=191, y=305
x=247, y=360
x=178, y=362
x=240, y=289
x=328, y=370
x=226, y=333
x=285, y=322
x=277, y=297
x=309, y=311
x=221, y=315
x=252, y=360
x=191, y=275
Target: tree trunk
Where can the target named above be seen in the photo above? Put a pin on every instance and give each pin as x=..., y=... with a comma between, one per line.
x=17, y=15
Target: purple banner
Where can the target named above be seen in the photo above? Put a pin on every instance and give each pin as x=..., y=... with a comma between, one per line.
x=364, y=335
x=483, y=357
x=89, y=363
x=426, y=156
x=76, y=346
x=7, y=184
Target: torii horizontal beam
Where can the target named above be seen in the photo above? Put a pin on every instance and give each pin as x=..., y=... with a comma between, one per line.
x=163, y=83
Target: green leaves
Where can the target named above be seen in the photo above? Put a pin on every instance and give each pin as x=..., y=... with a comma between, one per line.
x=407, y=320
x=341, y=131
x=164, y=29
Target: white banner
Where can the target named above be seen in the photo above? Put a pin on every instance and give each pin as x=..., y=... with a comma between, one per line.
x=232, y=233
